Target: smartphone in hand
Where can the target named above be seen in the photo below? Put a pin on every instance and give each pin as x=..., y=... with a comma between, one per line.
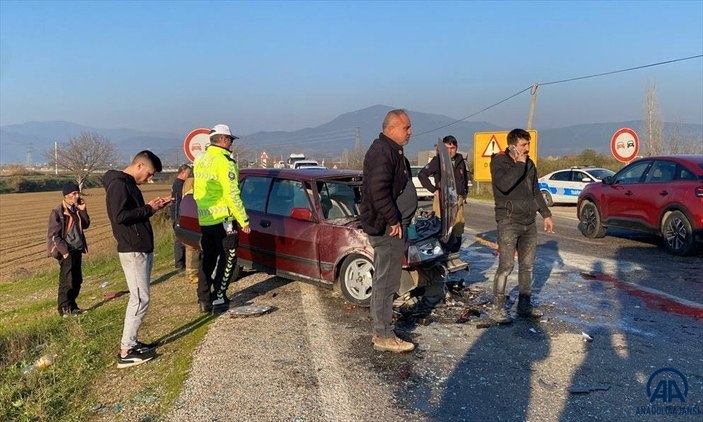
x=512, y=149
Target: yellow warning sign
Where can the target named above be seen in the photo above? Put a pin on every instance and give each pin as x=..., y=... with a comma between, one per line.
x=486, y=144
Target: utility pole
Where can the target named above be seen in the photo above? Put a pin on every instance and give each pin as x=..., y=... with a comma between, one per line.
x=56, y=158
x=29, y=163
x=533, y=104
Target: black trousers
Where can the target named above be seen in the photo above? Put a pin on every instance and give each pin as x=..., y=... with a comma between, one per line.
x=179, y=254
x=212, y=261
x=70, y=280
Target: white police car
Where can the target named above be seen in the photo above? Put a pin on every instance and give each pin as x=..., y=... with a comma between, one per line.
x=564, y=186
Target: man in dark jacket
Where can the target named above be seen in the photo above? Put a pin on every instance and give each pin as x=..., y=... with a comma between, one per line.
x=179, y=250
x=388, y=203
x=129, y=217
x=517, y=200
x=66, y=242
x=461, y=177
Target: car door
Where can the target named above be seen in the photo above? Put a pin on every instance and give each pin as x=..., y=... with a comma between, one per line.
x=557, y=184
x=291, y=242
x=625, y=194
x=658, y=191
x=254, y=247
x=579, y=180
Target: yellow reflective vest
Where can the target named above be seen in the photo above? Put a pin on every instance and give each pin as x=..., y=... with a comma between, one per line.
x=216, y=188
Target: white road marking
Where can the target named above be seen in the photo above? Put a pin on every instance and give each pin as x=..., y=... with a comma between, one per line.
x=334, y=393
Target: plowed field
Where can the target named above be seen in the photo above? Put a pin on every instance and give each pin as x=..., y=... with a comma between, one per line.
x=24, y=221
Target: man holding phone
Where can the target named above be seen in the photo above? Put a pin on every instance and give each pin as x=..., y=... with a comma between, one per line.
x=129, y=217
x=517, y=200
x=66, y=242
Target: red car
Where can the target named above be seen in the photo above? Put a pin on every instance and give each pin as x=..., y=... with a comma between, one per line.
x=659, y=195
x=305, y=225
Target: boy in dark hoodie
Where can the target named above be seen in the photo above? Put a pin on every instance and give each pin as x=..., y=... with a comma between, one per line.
x=66, y=242
x=129, y=217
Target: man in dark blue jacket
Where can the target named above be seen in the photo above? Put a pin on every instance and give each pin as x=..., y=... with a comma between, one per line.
x=129, y=217
x=179, y=250
x=388, y=203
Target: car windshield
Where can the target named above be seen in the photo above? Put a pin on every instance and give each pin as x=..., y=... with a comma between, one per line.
x=339, y=198
x=600, y=174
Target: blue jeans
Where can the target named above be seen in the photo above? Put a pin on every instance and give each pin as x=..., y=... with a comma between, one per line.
x=137, y=270
x=512, y=237
x=387, y=262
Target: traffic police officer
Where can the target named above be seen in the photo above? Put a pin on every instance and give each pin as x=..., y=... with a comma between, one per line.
x=221, y=214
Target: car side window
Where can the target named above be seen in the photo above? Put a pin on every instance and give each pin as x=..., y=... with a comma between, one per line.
x=685, y=174
x=632, y=174
x=561, y=176
x=579, y=176
x=337, y=200
x=286, y=195
x=662, y=171
x=253, y=191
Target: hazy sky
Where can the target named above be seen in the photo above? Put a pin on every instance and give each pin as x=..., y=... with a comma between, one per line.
x=175, y=66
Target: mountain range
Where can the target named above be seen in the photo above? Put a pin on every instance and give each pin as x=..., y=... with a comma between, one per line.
x=21, y=143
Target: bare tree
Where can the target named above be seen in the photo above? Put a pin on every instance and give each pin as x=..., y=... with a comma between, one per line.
x=683, y=144
x=653, y=139
x=82, y=155
x=354, y=159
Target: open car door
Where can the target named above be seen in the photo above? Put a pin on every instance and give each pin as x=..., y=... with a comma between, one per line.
x=448, y=198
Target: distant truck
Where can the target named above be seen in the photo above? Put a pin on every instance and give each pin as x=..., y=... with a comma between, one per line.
x=293, y=158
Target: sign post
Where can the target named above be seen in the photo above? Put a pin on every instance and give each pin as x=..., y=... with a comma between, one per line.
x=195, y=143
x=488, y=143
x=625, y=145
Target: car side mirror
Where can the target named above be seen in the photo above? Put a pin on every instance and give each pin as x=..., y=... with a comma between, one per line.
x=302, y=214
x=608, y=180
x=586, y=180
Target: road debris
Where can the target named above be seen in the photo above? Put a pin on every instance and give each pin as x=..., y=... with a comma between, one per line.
x=586, y=337
x=585, y=389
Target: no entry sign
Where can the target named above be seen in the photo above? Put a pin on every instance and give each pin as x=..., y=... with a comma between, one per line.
x=195, y=143
x=625, y=145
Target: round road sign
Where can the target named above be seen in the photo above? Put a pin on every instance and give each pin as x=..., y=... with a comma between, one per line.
x=195, y=143
x=625, y=145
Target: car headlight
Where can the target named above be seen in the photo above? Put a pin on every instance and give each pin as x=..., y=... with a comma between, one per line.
x=424, y=251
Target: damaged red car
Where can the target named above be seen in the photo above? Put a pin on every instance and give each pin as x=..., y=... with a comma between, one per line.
x=305, y=225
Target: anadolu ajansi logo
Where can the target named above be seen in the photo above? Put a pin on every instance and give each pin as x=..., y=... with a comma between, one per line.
x=667, y=385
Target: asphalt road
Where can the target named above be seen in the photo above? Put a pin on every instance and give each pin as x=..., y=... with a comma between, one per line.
x=311, y=359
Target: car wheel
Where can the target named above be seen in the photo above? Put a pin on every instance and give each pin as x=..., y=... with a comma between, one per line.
x=590, y=222
x=355, y=279
x=677, y=234
x=547, y=198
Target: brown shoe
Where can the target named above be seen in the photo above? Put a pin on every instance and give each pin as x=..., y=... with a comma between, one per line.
x=391, y=344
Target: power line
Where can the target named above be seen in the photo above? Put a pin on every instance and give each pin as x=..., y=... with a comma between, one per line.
x=562, y=81
x=621, y=70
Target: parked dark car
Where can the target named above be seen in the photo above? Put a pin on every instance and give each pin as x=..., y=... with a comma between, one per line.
x=305, y=225
x=658, y=195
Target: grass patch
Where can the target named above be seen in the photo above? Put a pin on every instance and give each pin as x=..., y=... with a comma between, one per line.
x=83, y=383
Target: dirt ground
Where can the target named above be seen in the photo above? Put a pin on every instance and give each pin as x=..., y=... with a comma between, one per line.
x=23, y=228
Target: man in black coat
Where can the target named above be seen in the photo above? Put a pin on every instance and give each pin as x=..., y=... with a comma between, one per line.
x=388, y=203
x=517, y=200
x=461, y=177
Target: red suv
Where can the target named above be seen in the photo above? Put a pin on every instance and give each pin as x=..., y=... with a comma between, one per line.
x=659, y=195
